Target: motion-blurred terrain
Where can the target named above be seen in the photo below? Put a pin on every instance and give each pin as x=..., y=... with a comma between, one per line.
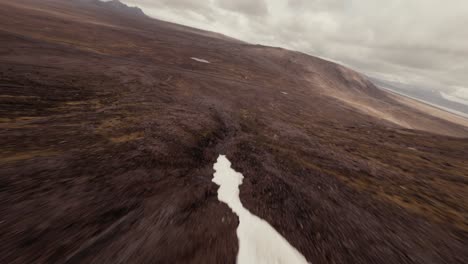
x=109, y=132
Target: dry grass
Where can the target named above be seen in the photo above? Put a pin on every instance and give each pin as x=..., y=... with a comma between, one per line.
x=126, y=138
x=19, y=156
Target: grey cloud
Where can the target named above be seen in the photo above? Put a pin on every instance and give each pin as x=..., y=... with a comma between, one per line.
x=317, y=5
x=172, y=4
x=247, y=7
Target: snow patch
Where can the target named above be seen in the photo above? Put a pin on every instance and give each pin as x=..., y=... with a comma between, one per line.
x=259, y=242
x=200, y=60
x=284, y=92
x=454, y=98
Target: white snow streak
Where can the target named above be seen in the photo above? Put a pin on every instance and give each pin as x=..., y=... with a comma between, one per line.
x=259, y=243
x=454, y=98
x=199, y=60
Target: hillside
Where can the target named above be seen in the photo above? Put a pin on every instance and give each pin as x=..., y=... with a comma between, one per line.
x=110, y=127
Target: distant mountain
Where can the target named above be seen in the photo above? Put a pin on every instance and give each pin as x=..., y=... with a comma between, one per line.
x=430, y=96
x=117, y=6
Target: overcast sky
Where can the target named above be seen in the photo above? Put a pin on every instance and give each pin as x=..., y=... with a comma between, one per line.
x=421, y=42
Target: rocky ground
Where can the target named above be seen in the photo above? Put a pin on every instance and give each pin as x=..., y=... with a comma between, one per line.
x=109, y=132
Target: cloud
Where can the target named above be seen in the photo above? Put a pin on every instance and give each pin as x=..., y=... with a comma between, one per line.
x=415, y=41
x=248, y=7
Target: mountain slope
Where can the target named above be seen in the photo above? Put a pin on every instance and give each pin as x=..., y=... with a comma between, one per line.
x=109, y=133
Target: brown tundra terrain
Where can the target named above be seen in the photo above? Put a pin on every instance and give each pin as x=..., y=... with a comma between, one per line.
x=109, y=131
